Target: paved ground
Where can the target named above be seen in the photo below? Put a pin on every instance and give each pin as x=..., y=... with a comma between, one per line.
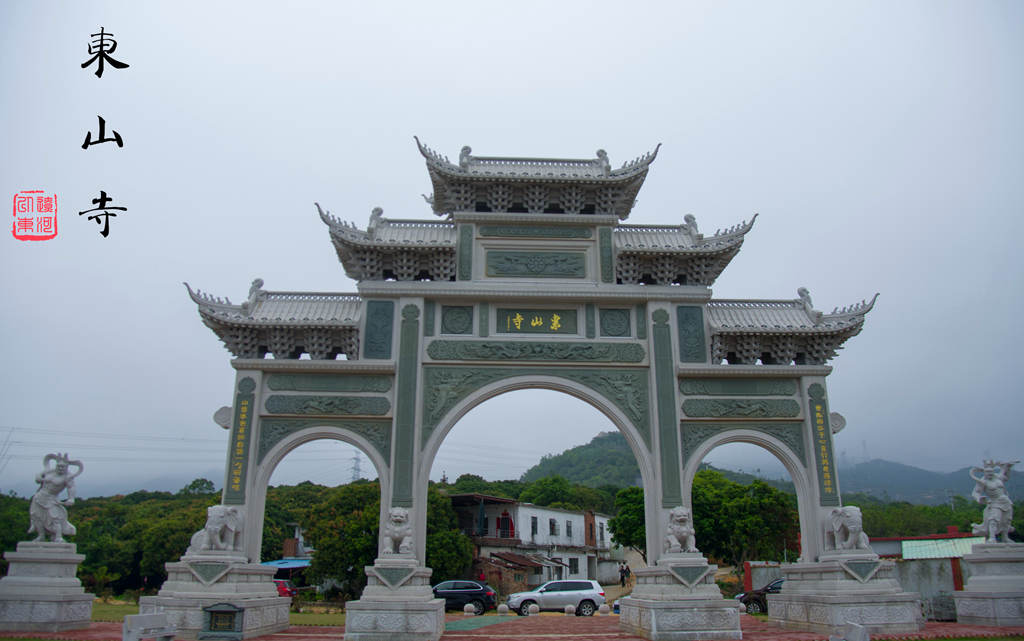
x=550, y=627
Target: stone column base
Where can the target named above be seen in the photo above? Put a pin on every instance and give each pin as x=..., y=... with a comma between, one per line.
x=41, y=592
x=206, y=579
x=680, y=620
x=678, y=600
x=394, y=620
x=989, y=608
x=397, y=603
x=261, y=616
x=879, y=613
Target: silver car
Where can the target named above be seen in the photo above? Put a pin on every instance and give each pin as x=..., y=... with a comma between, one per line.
x=584, y=595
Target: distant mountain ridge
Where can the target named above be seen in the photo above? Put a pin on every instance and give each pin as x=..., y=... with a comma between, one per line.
x=607, y=459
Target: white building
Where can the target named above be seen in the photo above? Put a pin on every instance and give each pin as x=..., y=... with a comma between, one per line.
x=535, y=544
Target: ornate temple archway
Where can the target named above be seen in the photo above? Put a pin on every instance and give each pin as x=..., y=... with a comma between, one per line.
x=531, y=278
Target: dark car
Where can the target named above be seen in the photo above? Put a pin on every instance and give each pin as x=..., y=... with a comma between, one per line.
x=457, y=594
x=757, y=600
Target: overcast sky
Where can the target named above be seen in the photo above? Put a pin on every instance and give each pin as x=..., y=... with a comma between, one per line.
x=881, y=142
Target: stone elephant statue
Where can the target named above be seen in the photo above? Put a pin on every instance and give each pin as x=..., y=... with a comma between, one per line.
x=222, y=532
x=845, y=530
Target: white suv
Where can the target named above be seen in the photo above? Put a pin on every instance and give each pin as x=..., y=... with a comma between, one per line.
x=586, y=596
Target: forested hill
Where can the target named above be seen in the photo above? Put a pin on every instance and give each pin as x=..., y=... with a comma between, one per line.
x=607, y=460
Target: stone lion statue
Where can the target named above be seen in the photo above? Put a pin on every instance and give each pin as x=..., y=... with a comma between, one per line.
x=222, y=532
x=398, y=532
x=680, y=532
x=845, y=530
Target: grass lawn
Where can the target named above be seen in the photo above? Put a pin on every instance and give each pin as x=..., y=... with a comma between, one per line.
x=115, y=612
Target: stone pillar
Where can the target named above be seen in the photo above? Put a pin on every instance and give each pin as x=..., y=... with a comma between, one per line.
x=994, y=594
x=845, y=587
x=678, y=599
x=200, y=580
x=41, y=592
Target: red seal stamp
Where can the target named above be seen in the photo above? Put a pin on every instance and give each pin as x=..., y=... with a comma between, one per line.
x=35, y=215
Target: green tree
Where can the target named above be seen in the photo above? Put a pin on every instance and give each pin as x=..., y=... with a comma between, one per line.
x=199, y=486
x=550, y=490
x=628, y=526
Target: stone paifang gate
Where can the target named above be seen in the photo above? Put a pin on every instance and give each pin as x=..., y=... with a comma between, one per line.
x=531, y=279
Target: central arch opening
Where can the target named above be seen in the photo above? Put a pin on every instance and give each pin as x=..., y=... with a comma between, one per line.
x=533, y=468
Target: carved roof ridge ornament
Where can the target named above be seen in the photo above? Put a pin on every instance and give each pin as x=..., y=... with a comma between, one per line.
x=280, y=308
x=794, y=315
x=675, y=238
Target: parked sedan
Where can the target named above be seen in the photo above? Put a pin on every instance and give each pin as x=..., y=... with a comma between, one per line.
x=457, y=594
x=585, y=596
x=757, y=600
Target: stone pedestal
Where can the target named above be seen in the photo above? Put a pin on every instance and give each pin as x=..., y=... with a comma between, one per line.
x=41, y=592
x=203, y=580
x=677, y=600
x=994, y=594
x=845, y=588
x=397, y=604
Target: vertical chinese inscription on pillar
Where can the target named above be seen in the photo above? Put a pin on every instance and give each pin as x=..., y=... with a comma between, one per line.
x=405, y=406
x=827, y=485
x=691, y=334
x=241, y=432
x=668, y=420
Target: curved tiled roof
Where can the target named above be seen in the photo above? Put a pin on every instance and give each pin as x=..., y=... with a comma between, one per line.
x=675, y=238
x=282, y=308
x=773, y=316
x=557, y=169
x=392, y=232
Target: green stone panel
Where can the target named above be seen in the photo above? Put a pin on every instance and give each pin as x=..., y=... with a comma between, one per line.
x=328, y=383
x=274, y=430
x=534, y=231
x=741, y=408
x=329, y=405
x=485, y=328
x=428, y=318
x=737, y=386
x=607, y=258
x=535, y=321
x=696, y=432
x=525, y=264
x=380, y=317
x=615, y=322
x=692, y=346
x=456, y=319
x=208, y=571
x=472, y=350
x=394, y=577
x=591, y=323
x=445, y=386
x=665, y=390
x=238, y=447
x=405, y=410
x=828, y=482
x=688, y=575
x=862, y=569
x=641, y=321
x=465, y=253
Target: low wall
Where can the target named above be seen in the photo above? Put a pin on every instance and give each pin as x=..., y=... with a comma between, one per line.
x=933, y=580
